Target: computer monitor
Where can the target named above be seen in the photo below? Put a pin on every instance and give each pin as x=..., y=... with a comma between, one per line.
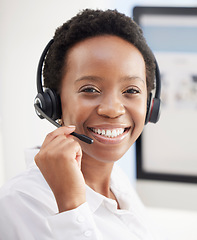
x=168, y=150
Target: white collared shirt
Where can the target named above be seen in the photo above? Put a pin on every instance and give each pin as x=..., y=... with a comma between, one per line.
x=28, y=211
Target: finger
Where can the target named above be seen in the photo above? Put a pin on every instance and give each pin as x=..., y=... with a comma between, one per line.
x=57, y=142
x=65, y=130
x=70, y=149
x=59, y=148
x=62, y=147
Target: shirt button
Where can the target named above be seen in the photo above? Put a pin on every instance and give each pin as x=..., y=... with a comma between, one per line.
x=80, y=219
x=88, y=233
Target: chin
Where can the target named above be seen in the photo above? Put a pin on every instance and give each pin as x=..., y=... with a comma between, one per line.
x=106, y=155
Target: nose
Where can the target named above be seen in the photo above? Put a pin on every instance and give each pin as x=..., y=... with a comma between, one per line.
x=111, y=107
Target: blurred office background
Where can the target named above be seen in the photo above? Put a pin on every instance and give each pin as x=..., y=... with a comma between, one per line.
x=26, y=27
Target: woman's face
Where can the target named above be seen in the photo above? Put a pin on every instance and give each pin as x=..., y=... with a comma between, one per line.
x=104, y=95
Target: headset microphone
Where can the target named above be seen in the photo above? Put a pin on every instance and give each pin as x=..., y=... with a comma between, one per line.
x=47, y=102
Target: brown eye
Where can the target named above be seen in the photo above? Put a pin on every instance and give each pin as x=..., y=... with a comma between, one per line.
x=90, y=90
x=132, y=91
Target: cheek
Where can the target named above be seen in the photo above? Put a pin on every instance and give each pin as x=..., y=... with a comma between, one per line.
x=138, y=111
x=69, y=108
x=139, y=108
x=75, y=111
x=141, y=112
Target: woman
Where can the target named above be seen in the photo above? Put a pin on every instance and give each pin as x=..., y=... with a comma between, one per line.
x=103, y=71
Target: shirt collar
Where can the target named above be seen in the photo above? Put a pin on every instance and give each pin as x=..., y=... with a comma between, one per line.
x=121, y=187
x=94, y=199
x=118, y=187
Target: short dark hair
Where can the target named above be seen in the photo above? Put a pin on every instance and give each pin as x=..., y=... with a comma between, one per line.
x=90, y=23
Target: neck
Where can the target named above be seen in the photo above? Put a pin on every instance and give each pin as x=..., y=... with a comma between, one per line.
x=97, y=175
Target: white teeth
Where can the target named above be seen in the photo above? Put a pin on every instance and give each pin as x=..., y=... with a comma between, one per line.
x=109, y=133
x=114, y=133
x=99, y=131
x=121, y=131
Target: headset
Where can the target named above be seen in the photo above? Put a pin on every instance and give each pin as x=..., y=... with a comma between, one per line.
x=48, y=105
x=47, y=99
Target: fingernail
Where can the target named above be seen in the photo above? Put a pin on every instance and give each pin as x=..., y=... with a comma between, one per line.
x=71, y=126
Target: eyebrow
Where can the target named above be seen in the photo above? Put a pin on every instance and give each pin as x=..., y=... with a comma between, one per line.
x=96, y=78
x=131, y=78
x=93, y=78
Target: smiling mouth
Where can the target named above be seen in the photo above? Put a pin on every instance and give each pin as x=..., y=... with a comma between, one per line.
x=110, y=133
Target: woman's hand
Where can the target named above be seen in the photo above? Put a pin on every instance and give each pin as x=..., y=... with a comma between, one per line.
x=59, y=160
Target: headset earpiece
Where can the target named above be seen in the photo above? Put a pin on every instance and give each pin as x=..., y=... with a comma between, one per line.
x=153, y=109
x=50, y=104
x=154, y=104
